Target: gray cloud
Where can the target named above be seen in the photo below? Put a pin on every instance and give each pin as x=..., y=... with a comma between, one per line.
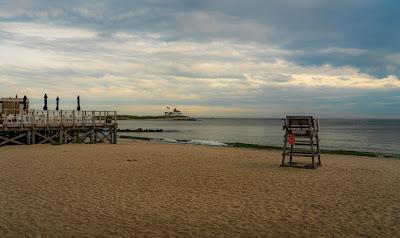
x=295, y=25
x=220, y=54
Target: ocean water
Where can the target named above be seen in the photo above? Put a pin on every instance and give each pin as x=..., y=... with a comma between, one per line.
x=366, y=135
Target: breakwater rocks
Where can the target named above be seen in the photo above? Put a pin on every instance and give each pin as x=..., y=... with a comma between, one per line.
x=140, y=130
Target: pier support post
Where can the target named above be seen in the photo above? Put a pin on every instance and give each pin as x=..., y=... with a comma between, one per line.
x=75, y=137
x=60, y=135
x=66, y=137
x=28, y=137
x=92, y=138
x=33, y=137
x=114, y=135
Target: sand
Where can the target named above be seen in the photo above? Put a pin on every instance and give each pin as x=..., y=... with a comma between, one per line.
x=145, y=189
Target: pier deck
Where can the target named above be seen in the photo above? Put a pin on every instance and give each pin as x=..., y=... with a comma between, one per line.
x=25, y=127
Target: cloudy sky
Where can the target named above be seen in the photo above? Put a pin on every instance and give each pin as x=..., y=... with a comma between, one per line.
x=225, y=58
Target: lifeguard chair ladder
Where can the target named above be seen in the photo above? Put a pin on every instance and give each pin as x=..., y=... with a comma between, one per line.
x=301, y=132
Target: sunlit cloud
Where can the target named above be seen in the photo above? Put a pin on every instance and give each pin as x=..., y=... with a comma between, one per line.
x=46, y=32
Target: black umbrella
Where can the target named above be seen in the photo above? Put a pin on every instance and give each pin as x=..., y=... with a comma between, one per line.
x=45, y=102
x=79, y=103
x=25, y=102
x=57, y=99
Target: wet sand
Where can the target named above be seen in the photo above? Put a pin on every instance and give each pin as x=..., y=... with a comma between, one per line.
x=145, y=189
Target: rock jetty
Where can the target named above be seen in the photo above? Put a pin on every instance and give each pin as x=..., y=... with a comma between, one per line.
x=140, y=130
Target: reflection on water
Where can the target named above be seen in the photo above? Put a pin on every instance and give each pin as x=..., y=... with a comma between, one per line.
x=380, y=136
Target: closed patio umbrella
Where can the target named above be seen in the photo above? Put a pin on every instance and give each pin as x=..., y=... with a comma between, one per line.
x=79, y=103
x=45, y=102
x=25, y=102
x=57, y=99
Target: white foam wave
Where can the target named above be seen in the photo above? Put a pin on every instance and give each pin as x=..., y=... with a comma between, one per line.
x=165, y=140
x=205, y=142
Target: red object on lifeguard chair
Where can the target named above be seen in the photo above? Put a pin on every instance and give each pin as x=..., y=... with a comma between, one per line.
x=291, y=139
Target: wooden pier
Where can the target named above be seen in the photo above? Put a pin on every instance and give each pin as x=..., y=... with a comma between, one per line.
x=25, y=127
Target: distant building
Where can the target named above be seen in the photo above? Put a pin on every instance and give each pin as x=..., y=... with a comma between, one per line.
x=174, y=113
x=12, y=105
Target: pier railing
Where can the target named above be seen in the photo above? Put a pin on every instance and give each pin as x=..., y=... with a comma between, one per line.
x=56, y=118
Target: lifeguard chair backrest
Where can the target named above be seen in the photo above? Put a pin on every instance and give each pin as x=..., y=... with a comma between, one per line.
x=300, y=121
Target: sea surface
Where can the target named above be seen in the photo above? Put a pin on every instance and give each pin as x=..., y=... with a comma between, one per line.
x=380, y=136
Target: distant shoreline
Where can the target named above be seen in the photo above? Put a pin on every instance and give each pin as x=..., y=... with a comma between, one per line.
x=161, y=117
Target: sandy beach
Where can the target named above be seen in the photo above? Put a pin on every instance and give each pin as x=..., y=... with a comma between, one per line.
x=145, y=189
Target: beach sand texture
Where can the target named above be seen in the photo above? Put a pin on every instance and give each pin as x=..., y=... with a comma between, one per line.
x=145, y=189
